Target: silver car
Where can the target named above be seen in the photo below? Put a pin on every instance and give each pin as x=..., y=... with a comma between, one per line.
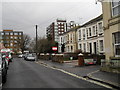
x=31, y=57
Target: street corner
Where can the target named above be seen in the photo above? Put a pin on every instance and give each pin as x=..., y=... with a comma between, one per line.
x=105, y=77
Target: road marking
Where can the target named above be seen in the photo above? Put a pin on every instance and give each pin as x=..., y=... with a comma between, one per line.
x=74, y=75
x=92, y=72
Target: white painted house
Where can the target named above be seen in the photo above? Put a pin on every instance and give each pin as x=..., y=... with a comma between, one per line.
x=91, y=36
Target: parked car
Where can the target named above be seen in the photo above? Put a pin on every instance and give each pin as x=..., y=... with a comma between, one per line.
x=3, y=70
x=20, y=55
x=90, y=61
x=31, y=57
x=6, y=59
x=8, y=54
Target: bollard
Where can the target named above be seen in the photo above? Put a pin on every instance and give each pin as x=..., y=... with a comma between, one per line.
x=80, y=60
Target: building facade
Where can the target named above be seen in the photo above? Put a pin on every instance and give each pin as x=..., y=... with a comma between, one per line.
x=91, y=36
x=55, y=29
x=111, y=19
x=12, y=39
x=70, y=40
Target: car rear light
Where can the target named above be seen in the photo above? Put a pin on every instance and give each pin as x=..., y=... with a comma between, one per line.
x=90, y=63
x=7, y=57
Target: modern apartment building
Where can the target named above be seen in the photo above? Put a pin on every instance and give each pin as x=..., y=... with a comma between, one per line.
x=12, y=39
x=91, y=36
x=57, y=28
x=111, y=19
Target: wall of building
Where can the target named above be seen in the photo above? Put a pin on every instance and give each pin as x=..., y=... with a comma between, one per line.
x=12, y=39
x=111, y=26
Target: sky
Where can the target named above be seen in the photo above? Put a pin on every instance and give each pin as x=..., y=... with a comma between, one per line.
x=23, y=15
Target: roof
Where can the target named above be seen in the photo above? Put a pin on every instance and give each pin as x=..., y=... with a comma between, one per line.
x=100, y=17
x=72, y=29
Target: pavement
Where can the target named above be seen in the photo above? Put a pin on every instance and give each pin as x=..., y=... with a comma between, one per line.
x=92, y=72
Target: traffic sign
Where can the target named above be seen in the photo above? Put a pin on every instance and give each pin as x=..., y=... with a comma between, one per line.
x=54, y=48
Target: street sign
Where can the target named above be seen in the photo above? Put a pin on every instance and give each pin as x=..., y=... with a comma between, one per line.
x=54, y=48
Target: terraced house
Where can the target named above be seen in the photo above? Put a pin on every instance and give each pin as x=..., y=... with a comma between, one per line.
x=91, y=36
x=70, y=38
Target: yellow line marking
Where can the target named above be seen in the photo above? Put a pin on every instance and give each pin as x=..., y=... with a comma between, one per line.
x=74, y=75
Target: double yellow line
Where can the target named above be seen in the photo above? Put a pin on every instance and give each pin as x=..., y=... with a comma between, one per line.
x=74, y=75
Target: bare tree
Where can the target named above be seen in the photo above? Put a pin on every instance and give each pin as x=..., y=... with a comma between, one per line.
x=24, y=43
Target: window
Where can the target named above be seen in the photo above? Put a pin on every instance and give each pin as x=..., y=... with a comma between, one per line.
x=11, y=37
x=11, y=33
x=100, y=27
x=117, y=43
x=11, y=44
x=89, y=31
x=94, y=31
x=79, y=34
x=84, y=47
x=83, y=34
x=20, y=38
x=15, y=33
x=71, y=38
x=20, y=33
x=6, y=33
x=15, y=41
x=101, y=45
x=80, y=46
x=2, y=33
x=115, y=7
x=71, y=48
x=7, y=37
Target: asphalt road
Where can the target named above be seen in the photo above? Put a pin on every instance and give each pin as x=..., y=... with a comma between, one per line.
x=28, y=74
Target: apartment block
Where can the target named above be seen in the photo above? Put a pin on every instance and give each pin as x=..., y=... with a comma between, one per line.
x=90, y=36
x=57, y=28
x=12, y=39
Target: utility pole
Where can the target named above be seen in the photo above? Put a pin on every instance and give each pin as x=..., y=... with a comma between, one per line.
x=36, y=43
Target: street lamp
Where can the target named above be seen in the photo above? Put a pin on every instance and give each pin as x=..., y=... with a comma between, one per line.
x=36, y=42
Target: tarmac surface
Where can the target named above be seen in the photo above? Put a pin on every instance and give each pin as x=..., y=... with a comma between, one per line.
x=29, y=74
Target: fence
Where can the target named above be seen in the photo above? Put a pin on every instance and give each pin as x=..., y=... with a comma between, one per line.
x=54, y=57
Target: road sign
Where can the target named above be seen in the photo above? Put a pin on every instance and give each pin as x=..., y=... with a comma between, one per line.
x=54, y=48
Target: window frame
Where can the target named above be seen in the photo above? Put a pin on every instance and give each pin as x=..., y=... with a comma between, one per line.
x=113, y=7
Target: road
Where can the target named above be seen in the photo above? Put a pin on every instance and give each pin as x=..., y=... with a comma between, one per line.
x=29, y=74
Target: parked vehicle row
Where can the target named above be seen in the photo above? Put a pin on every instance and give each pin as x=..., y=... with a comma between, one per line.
x=5, y=59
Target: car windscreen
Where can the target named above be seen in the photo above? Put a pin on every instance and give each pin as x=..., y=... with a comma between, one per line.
x=30, y=55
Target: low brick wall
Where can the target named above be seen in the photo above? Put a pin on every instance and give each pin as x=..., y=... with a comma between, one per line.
x=55, y=58
x=110, y=66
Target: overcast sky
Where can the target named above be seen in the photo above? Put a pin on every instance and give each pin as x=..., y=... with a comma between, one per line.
x=23, y=15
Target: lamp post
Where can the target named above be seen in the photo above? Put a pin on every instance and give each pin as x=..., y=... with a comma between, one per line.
x=36, y=42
